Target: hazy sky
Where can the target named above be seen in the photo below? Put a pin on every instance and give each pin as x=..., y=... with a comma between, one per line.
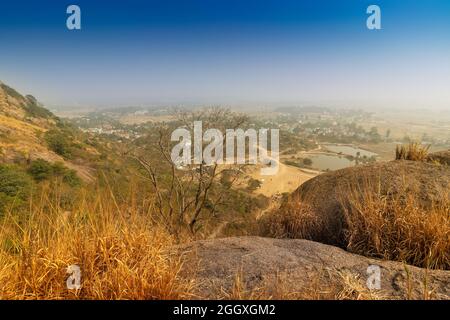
x=228, y=51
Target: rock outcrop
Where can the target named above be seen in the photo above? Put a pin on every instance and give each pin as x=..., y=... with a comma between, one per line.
x=430, y=183
x=302, y=269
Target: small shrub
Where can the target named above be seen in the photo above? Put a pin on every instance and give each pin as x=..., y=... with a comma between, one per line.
x=68, y=176
x=307, y=162
x=226, y=179
x=413, y=151
x=71, y=178
x=59, y=143
x=59, y=169
x=40, y=169
x=15, y=187
x=253, y=184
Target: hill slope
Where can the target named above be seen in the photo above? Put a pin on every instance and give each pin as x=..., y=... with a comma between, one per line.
x=28, y=131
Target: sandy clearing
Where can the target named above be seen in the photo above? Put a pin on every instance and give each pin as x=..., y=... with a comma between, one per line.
x=287, y=179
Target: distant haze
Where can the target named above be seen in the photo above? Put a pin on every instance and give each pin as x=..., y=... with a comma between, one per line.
x=229, y=52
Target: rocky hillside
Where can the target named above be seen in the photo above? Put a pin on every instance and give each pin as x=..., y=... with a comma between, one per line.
x=22, y=122
x=28, y=131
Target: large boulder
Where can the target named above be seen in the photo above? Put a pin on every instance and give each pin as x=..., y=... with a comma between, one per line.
x=255, y=267
x=324, y=195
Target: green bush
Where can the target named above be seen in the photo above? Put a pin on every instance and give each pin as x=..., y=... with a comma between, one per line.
x=40, y=169
x=59, y=169
x=68, y=176
x=15, y=187
x=253, y=184
x=59, y=143
x=71, y=178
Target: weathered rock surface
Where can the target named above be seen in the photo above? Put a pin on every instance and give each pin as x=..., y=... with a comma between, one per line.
x=260, y=261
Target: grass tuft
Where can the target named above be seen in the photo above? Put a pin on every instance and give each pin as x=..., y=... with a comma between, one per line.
x=414, y=151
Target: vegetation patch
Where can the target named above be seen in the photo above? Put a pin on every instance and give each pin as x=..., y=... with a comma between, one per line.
x=35, y=110
x=15, y=187
x=60, y=143
x=41, y=169
x=120, y=256
x=414, y=151
x=398, y=228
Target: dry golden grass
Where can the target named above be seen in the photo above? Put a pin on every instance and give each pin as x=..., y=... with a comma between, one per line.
x=20, y=126
x=398, y=227
x=322, y=285
x=295, y=219
x=414, y=151
x=121, y=253
x=325, y=284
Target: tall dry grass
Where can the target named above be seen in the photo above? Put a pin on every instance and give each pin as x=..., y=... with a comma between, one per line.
x=398, y=227
x=120, y=251
x=414, y=151
x=296, y=219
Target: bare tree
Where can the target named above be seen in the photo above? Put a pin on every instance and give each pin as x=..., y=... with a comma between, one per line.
x=184, y=198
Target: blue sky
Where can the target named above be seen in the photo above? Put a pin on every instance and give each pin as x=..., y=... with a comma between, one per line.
x=229, y=52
